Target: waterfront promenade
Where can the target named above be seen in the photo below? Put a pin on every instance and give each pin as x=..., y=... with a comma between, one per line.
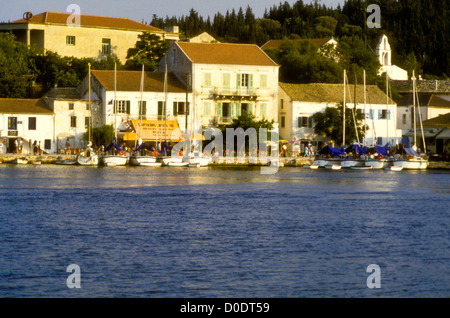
x=287, y=161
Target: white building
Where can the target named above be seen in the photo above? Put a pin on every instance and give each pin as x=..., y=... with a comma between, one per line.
x=384, y=52
x=72, y=117
x=225, y=80
x=29, y=120
x=125, y=89
x=299, y=102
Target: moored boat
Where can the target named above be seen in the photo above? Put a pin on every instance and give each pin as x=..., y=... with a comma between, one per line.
x=20, y=161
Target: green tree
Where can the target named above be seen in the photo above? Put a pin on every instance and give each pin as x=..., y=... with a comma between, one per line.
x=330, y=124
x=149, y=50
x=17, y=68
x=101, y=136
x=324, y=26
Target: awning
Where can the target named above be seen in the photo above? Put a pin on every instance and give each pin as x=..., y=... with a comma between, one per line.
x=153, y=130
x=445, y=134
x=428, y=132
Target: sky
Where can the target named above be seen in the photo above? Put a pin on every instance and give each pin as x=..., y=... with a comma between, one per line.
x=142, y=10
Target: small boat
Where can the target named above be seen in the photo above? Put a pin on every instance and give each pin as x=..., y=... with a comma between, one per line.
x=362, y=168
x=314, y=167
x=114, y=160
x=36, y=161
x=60, y=161
x=394, y=168
x=334, y=167
x=200, y=161
x=20, y=161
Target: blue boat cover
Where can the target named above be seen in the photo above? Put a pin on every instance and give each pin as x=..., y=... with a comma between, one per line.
x=382, y=150
x=332, y=151
x=113, y=144
x=411, y=152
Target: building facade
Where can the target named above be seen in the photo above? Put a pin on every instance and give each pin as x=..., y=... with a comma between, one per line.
x=225, y=80
x=82, y=36
x=299, y=102
x=28, y=122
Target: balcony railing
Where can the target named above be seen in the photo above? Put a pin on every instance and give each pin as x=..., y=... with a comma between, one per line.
x=250, y=93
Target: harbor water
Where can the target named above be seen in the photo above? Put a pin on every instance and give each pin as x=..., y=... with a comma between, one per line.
x=223, y=232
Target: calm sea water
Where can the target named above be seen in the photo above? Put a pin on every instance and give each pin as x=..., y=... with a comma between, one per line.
x=222, y=232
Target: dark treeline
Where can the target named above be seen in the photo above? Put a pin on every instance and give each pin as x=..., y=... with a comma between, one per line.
x=418, y=30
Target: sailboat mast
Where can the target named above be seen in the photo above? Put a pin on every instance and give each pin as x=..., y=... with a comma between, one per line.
x=414, y=108
x=140, y=109
x=115, y=102
x=365, y=139
x=343, y=114
x=90, y=111
x=387, y=107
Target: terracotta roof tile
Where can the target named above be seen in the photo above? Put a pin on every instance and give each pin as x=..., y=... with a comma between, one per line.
x=131, y=81
x=334, y=93
x=90, y=21
x=24, y=106
x=225, y=53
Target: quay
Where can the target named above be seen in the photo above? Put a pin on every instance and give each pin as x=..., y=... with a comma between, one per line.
x=286, y=161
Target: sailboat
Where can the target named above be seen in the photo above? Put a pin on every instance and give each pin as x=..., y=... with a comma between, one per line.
x=413, y=160
x=136, y=160
x=89, y=157
x=120, y=159
x=383, y=159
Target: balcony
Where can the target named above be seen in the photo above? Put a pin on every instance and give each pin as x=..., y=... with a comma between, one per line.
x=243, y=93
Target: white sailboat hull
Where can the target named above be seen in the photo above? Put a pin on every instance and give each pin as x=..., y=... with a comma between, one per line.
x=378, y=164
x=199, y=161
x=114, y=161
x=352, y=163
x=176, y=161
x=20, y=161
x=88, y=161
x=144, y=161
x=412, y=164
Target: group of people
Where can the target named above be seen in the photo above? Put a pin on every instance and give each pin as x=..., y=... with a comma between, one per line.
x=34, y=148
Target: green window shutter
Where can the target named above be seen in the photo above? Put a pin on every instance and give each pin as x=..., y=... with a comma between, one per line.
x=238, y=81
x=250, y=108
x=250, y=83
x=238, y=109
x=128, y=107
x=175, y=108
x=232, y=112
x=219, y=109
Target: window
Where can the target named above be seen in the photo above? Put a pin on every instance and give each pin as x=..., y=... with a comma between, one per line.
x=71, y=105
x=161, y=110
x=383, y=114
x=70, y=40
x=123, y=107
x=304, y=121
x=87, y=106
x=73, y=121
x=404, y=119
x=142, y=108
x=178, y=108
x=86, y=122
x=281, y=103
x=244, y=80
x=31, y=123
x=106, y=46
x=12, y=123
x=283, y=122
x=48, y=144
x=174, y=56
